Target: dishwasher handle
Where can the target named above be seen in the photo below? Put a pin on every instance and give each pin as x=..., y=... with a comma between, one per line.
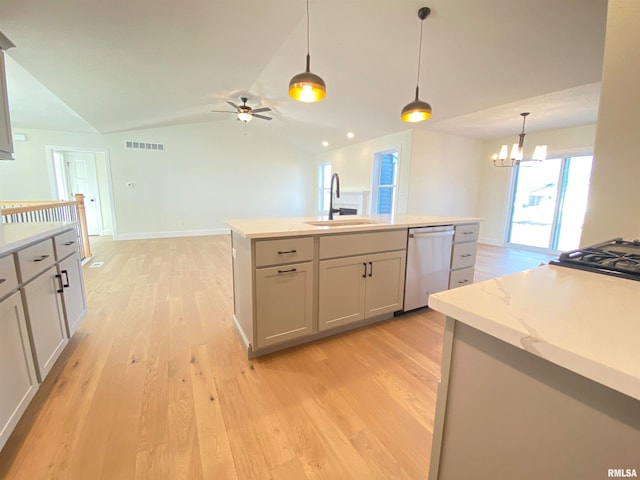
x=448, y=233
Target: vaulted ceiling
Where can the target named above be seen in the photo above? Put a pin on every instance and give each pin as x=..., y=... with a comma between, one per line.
x=109, y=66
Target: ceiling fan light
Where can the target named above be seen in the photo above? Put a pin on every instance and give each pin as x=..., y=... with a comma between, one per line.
x=416, y=111
x=245, y=117
x=307, y=87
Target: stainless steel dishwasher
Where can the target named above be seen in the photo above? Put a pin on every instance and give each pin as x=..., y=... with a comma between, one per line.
x=428, y=264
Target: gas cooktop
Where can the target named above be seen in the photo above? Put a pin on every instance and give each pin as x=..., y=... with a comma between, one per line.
x=615, y=257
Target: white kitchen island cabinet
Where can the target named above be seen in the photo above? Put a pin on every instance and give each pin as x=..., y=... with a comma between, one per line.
x=540, y=378
x=301, y=279
x=358, y=287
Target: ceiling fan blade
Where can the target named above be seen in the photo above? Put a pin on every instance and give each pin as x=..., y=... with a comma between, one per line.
x=261, y=116
x=261, y=109
x=233, y=105
x=223, y=111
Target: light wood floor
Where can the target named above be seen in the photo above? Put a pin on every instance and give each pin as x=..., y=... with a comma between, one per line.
x=155, y=385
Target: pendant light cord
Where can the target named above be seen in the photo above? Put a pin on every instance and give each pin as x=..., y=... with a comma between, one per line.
x=419, y=57
x=307, y=27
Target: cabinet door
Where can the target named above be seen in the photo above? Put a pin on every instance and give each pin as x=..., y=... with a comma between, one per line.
x=385, y=283
x=6, y=140
x=45, y=319
x=284, y=303
x=341, y=296
x=73, y=294
x=17, y=373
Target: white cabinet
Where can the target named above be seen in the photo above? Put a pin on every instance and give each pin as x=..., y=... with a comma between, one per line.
x=6, y=139
x=463, y=255
x=43, y=306
x=284, y=303
x=359, y=287
x=74, y=298
x=73, y=293
x=283, y=280
x=17, y=373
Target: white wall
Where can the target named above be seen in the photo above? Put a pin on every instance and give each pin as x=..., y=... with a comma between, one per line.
x=354, y=164
x=444, y=174
x=495, y=183
x=613, y=202
x=209, y=172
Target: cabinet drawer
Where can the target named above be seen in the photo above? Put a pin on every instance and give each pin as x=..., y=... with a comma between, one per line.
x=284, y=250
x=462, y=277
x=66, y=244
x=35, y=259
x=464, y=255
x=466, y=233
x=334, y=246
x=8, y=277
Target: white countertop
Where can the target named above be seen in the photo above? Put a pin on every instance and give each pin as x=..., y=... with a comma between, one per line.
x=296, y=226
x=14, y=236
x=586, y=322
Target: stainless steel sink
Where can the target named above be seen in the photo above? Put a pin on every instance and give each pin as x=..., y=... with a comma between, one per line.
x=346, y=222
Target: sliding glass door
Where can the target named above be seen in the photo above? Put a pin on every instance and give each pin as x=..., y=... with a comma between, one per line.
x=549, y=200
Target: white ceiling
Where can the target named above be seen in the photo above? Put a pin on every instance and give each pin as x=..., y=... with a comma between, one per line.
x=109, y=66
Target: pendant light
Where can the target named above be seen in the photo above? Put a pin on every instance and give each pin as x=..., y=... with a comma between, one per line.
x=307, y=87
x=417, y=111
x=517, y=151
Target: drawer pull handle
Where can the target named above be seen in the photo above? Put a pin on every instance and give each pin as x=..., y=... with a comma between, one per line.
x=286, y=251
x=59, y=277
x=40, y=258
x=287, y=271
x=466, y=255
x=467, y=233
x=66, y=276
x=2, y=280
x=370, y=269
x=364, y=269
x=463, y=281
x=68, y=244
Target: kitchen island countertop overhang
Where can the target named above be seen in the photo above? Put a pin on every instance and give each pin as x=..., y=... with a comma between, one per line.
x=584, y=322
x=255, y=228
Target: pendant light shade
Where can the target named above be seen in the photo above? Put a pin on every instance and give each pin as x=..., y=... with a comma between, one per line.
x=307, y=87
x=418, y=110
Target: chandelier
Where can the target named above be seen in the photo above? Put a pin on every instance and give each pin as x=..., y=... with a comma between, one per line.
x=504, y=159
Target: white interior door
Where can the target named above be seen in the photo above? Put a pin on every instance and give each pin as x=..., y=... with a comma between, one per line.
x=82, y=178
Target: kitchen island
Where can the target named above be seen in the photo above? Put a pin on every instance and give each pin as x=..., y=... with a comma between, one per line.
x=540, y=378
x=300, y=279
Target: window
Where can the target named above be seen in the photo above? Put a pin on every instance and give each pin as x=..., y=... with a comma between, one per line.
x=385, y=177
x=324, y=187
x=549, y=200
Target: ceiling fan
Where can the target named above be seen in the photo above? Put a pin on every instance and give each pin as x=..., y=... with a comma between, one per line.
x=244, y=112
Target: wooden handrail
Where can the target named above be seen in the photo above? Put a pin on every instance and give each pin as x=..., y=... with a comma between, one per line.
x=43, y=211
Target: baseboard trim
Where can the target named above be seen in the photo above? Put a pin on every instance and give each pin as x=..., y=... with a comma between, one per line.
x=185, y=233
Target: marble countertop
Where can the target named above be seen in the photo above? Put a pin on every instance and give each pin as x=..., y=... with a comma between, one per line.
x=299, y=226
x=14, y=236
x=586, y=322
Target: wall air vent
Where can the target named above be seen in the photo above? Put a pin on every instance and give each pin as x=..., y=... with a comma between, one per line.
x=159, y=147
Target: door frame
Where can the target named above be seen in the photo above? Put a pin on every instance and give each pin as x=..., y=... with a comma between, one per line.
x=52, y=149
x=563, y=154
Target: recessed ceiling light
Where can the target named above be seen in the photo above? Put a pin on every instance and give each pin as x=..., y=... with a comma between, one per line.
x=350, y=135
x=325, y=143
